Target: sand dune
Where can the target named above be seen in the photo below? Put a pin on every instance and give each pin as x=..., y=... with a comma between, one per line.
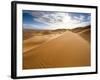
x=36, y=41
x=68, y=50
x=85, y=34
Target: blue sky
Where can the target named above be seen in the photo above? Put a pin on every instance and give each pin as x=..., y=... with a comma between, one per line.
x=54, y=20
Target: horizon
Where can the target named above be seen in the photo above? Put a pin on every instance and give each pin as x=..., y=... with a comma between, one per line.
x=57, y=28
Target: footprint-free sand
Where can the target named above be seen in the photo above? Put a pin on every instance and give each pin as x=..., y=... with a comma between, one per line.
x=68, y=49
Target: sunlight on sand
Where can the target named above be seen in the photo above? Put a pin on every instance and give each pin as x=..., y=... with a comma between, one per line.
x=69, y=48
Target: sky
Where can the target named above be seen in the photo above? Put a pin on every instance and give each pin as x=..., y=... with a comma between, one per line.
x=54, y=20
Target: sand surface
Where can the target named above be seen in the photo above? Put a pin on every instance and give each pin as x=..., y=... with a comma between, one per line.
x=67, y=50
x=36, y=41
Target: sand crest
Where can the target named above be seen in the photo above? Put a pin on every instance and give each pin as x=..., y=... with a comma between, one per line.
x=67, y=50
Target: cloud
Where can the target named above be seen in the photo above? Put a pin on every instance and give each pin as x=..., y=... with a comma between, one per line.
x=50, y=18
x=79, y=18
x=54, y=20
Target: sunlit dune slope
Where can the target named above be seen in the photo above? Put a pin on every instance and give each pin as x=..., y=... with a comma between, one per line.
x=35, y=38
x=68, y=50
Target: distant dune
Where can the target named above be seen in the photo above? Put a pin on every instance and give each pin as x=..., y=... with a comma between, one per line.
x=79, y=29
x=68, y=48
x=28, y=33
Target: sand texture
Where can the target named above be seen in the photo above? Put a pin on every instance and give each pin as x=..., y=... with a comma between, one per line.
x=65, y=49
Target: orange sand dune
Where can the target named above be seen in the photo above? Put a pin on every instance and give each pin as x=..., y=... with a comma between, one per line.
x=35, y=41
x=68, y=50
x=86, y=34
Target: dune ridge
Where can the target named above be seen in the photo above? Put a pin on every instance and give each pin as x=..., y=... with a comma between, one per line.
x=67, y=50
x=34, y=42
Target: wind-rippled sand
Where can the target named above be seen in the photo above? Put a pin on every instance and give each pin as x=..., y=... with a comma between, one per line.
x=68, y=49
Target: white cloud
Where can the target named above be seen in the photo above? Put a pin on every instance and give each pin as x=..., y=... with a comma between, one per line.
x=56, y=20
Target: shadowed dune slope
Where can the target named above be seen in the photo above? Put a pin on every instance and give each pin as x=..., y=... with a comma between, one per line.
x=68, y=50
x=86, y=34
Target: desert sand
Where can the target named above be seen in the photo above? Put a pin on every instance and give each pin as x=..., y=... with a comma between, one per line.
x=68, y=49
